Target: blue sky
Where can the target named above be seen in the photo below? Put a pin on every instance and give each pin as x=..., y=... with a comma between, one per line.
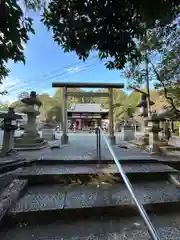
x=46, y=62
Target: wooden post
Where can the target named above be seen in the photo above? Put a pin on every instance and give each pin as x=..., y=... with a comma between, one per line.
x=64, y=138
x=112, y=138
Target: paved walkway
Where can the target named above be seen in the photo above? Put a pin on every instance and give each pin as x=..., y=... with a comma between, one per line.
x=82, y=146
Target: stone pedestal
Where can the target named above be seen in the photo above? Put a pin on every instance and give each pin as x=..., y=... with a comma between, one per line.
x=64, y=139
x=30, y=129
x=128, y=133
x=30, y=139
x=112, y=140
x=8, y=143
x=48, y=134
x=145, y=138
x=154, y=141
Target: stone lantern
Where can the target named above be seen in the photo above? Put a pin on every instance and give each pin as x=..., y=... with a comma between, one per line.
x=153, y=129
x=30, y=139
x=128, y=128
x=143, y=105
x=9, y=125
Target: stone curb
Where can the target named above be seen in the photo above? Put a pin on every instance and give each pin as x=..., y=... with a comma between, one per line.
x=11, y=162
x=11, y=167
x=10, y=194
x=33, y=148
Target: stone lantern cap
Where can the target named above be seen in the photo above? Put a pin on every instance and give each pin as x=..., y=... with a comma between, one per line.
x=143, y=103
x=163, y=115
x=32, y=100
x=48, y=124
x=168, y=114
x=153, y=118
x=10, y=115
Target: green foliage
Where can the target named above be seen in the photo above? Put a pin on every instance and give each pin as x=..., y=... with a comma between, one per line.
x=23, y=95
x=48, y=104
x=14, y=29
x=163, y=50
x=52, y=106
x=109, y=27
x=17, y=105
x=3, y=107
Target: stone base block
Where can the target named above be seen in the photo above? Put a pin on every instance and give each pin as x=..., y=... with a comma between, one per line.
x=112, y=140
x=25, y=144
x=154, y=148
x=145, y=139
x=48, y=134
x=128, y=134
x=64, y=139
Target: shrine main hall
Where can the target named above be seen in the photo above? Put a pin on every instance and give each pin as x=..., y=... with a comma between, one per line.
x=86, y=115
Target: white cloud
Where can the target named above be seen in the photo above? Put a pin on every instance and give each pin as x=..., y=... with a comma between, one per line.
x=9, y=83
x=49, y=91
x=76, y=69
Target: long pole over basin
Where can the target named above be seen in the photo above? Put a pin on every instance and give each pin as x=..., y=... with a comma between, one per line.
x=86, y=85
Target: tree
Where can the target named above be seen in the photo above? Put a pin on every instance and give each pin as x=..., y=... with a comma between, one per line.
x=109, y=27
x=14, y=29
x=163, y=47
x=23, y=95
x=168, y=71
x=4, y=107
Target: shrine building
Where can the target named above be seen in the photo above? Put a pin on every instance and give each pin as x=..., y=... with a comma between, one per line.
x=86, y=115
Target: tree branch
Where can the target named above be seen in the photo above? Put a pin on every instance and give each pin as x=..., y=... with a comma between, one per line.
x=170, y=99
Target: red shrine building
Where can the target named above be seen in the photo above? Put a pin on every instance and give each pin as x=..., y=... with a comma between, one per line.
x=86, y=115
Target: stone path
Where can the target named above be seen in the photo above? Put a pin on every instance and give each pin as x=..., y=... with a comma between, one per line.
x=81, y=147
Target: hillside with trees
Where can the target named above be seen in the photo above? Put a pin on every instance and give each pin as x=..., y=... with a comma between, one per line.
x=52, y=106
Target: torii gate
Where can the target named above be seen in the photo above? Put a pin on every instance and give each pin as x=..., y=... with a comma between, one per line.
x=110, y=86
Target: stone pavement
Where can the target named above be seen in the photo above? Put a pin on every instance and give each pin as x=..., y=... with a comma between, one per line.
x=81, y=147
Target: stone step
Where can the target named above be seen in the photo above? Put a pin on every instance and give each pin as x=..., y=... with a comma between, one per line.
x=55, y=158
x=86, y=173
x=61, y=201
x=99, y=228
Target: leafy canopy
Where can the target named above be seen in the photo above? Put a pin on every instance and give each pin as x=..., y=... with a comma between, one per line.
x=109, y=27
x=163, y=51
x=14, y=29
